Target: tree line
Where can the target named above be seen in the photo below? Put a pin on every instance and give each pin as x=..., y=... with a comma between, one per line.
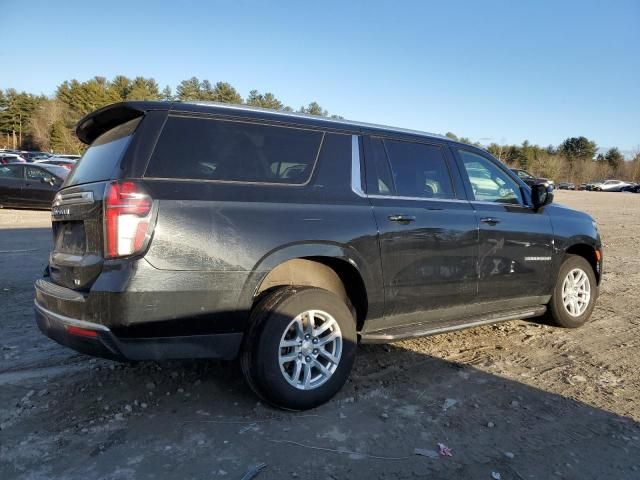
x=38, y=122
x=576, y=160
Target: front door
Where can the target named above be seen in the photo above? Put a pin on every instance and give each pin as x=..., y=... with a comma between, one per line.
x=516, y=242
x=428, y=236
x=39, y=191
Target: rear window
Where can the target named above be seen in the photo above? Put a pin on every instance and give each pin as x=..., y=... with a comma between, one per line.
x=103, y=156
x=207, y=149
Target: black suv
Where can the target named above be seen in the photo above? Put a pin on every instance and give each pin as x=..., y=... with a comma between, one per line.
x=194, y=230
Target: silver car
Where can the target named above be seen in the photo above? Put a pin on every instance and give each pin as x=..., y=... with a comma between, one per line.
x=613, y=185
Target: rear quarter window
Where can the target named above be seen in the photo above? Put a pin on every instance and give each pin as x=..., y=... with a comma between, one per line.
x=10, y=171
x=103, y=156
x=233, y=151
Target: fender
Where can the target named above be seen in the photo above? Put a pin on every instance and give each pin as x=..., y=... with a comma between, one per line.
x=369, y=270
x=563, y=245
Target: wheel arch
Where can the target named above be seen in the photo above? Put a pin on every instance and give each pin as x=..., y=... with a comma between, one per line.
x=588, y=252
x=328, y=266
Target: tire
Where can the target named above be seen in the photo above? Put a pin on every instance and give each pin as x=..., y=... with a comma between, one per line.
x=561, y=315
x=283, y=317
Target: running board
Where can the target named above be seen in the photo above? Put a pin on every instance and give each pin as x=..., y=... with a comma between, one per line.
x=425, y=329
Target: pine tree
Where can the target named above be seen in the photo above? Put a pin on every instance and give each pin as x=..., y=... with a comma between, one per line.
x=614, y=158
x=268, y=100
x=166, y=94
x=189, y=90
x=314, y=109
x=144, y=89
x=225, y=93
x=121, y=86
x=578, y=148
x=57, y=137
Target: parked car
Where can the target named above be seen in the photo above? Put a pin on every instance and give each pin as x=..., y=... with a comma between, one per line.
x=531, y=179
x=192, y=230
x=32, y=156
x=566, y=186
x=11, y=158
x=594, y=186
x=633, y=188
x=613, y=185
x=30, y=186
x=582, y=186
x=56, y=160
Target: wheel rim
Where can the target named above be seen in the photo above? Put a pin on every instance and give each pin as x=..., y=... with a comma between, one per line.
x=310, y=349
x=576, y=292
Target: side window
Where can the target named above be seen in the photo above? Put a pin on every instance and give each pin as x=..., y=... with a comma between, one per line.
x=334, y=162
x=10, y=171
x=379, y=181
x=488, y=181
x=419, y=170
x=36, y=173
x=207, y=149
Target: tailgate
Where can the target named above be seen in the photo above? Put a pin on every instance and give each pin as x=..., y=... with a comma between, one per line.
x=76, y=217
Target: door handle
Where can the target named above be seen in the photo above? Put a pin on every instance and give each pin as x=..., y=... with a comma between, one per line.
x=490, y=220
x=404, y=219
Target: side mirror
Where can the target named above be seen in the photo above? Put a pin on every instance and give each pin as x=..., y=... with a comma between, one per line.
x=541, y=195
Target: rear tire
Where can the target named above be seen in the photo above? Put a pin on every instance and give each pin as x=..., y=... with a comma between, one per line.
x=300, y=347
x=574, y=295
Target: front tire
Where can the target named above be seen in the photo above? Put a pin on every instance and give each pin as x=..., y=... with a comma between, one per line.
x=300, y=347
x=574, y=295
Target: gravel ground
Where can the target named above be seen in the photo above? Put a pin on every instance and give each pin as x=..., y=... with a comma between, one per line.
x=518, y=400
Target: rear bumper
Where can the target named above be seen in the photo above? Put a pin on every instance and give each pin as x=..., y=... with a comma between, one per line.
x=99, y=341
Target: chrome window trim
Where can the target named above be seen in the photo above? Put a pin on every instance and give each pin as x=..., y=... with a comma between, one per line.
x=356, y=180
x=351, y=124
x=394, y=197
x=356, y=173
x=242, y=182
x=483, y=202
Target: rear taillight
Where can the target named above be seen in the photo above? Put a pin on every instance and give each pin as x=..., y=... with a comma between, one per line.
x=127, y=218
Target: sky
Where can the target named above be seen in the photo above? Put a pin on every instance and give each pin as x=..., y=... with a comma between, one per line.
x=493, y=71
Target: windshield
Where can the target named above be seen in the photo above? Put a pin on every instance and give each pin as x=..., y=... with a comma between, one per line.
x=103, y=156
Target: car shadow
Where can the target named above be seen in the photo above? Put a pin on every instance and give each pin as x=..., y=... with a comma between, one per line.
x=66, y=415
x=189, y=417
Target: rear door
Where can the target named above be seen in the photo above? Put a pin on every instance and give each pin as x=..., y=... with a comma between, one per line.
x=428, y=231
x=516, y=242
x=11, y=184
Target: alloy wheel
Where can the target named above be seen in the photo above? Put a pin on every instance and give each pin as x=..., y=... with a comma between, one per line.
x=576, y=292
x=310, y=349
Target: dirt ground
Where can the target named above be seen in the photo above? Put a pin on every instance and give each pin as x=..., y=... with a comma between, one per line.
x=518, y=400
